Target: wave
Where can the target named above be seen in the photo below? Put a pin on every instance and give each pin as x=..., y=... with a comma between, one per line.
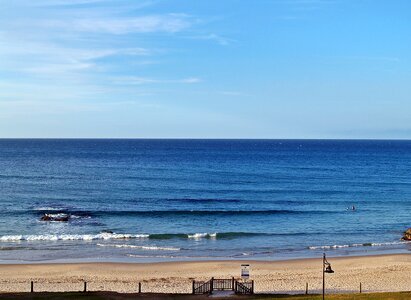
x=47, y=208
x=215, y=235
x=202, y=200
x=358, y=245
x=109, y=235
x=71, y=237
x=202, y=235
x=117, y=236
x=154, y=256
x=167, y=236
x=228, y=235
x=165, y=213
x=155, y=248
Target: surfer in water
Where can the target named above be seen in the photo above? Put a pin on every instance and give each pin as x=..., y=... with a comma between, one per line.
x=353, y=208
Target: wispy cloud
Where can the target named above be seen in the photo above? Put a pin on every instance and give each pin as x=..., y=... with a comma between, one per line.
x=191, y=80
x=132, y=80
x=66, y=56
x=51, y=59
x=169, y=23
x=64, y=2
x=214, y=37
x=48, y=3
x=45, y=40
x=232, y=93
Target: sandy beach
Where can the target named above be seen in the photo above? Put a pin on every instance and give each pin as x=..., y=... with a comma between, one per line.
x=376, y=273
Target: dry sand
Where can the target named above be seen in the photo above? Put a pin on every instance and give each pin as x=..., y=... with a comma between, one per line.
x=376, y=273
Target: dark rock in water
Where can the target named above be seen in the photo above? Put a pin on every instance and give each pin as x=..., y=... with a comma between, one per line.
x=407, y=235
x=55, y=217
x=107, y=231
x=45, y=218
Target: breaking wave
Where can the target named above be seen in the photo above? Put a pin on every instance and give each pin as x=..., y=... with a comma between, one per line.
x=71, y=237
x=102, y=213
x=109, y=235
x=155, y=248
x=118, y=236
x=358, y=245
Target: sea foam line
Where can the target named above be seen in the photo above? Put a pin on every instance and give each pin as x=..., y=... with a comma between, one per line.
x=358, y=245
x=140, y=247
x=71, y=237
x=117, y=236
x=202, y=235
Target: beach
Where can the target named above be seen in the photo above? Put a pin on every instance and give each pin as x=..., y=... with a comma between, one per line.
x=375, y=273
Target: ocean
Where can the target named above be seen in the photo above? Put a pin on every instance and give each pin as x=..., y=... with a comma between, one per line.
x=143, y=200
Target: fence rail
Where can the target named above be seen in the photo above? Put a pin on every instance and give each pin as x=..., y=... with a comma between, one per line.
x=223, y=284
x=157, y=286
x=207, y=287
x=244, y=288
x=202, y=287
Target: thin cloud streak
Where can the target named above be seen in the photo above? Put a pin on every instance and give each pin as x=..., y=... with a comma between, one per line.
x=223, y=41
x=170, y=23
x=146, y=80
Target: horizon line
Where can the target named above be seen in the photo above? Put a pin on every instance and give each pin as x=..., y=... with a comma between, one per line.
x=204, y=138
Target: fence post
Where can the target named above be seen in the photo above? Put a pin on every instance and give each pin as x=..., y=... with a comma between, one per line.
x=306, y=288
x=139, y=287
x=252, y=286
x=360, y=288
x=85, y=286
x=212, y=284
x=193, y=287
x=32, y=287
x=232, y=283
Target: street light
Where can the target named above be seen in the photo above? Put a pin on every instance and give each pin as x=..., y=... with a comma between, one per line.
x=326, y=269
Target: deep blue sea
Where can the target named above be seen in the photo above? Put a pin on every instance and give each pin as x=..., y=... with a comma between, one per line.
x=154, y=200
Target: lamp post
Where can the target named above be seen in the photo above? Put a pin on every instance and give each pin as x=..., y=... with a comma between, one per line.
x=326, y=269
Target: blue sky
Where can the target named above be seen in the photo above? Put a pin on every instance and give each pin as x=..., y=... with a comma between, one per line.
x=214, y=69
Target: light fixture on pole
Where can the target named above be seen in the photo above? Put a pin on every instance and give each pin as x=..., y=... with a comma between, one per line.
x=326, y=269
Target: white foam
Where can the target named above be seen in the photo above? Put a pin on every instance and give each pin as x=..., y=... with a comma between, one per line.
x=79, y=217
x=47, y=208
x=70, y=237
x=358, y=245
x=197, y=235
x=150, y=256
x=329, y=247
x=58, y=215
x=202, y=235
x=388, y=244
x=155, y=248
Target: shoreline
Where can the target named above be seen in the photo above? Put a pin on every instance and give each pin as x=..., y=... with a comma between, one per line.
x=180, y=259
x=184, y=261
x=378, y=273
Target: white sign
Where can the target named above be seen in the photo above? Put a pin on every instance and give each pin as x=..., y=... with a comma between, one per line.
x=245, y=271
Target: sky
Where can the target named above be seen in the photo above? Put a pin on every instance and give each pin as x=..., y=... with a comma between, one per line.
x=205, y=69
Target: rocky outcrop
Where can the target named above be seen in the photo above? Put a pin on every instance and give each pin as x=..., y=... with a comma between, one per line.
x=55, y=217
x=407, y=235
